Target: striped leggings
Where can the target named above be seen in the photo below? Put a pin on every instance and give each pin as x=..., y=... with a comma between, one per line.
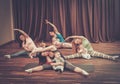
x=92, y=54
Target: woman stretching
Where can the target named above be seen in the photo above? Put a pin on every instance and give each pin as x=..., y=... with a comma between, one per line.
x=28, y=46
x=76, y=43
x=50, y=64
x=57, y=38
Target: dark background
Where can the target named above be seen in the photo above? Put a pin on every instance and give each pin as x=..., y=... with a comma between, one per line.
x=97, y=20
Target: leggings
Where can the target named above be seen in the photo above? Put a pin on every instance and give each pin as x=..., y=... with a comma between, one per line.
x=67, y=65
x=22, y=52
x=91, y=53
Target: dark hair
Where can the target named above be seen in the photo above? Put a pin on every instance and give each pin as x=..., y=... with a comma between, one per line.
x=42, y=59
x=50, y=29
x=17, y=39
x=60, y=54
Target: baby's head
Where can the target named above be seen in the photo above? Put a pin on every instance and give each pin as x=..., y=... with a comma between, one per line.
x=57, y=54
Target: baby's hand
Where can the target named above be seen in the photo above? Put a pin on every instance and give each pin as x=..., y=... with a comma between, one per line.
x=46, y=21
x=60, y=63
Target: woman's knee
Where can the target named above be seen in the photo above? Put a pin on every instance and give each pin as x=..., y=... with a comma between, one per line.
x=38, y=68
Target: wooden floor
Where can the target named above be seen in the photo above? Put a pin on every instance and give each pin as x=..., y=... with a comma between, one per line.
x=105, y=71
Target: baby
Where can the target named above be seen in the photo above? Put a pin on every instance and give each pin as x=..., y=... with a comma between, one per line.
x=60, y=60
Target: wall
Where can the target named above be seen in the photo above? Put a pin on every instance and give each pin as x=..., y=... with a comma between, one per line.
x=6, y=21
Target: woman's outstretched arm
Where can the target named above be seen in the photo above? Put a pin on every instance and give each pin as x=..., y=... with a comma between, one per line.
x=49, y=48
x=54, y=27
x=74, y=37
x=21, y=31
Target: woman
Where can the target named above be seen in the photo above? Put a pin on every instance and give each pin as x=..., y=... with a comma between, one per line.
x=57, y=38
x=79, y=48
x=28, y=46
x=76, y=43
x=50, y=64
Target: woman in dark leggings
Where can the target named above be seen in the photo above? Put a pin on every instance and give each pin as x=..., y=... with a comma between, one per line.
x=67, y=65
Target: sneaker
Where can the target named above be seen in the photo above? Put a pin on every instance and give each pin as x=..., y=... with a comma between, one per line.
x=115, y=57
x=7, y=56
x=28, y=70
x=85, y=73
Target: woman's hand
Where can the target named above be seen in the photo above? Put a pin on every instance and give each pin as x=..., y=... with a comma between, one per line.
x=46, y=21
x=33, y=53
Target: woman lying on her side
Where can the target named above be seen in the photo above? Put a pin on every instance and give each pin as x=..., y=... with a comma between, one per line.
x=82, y=48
